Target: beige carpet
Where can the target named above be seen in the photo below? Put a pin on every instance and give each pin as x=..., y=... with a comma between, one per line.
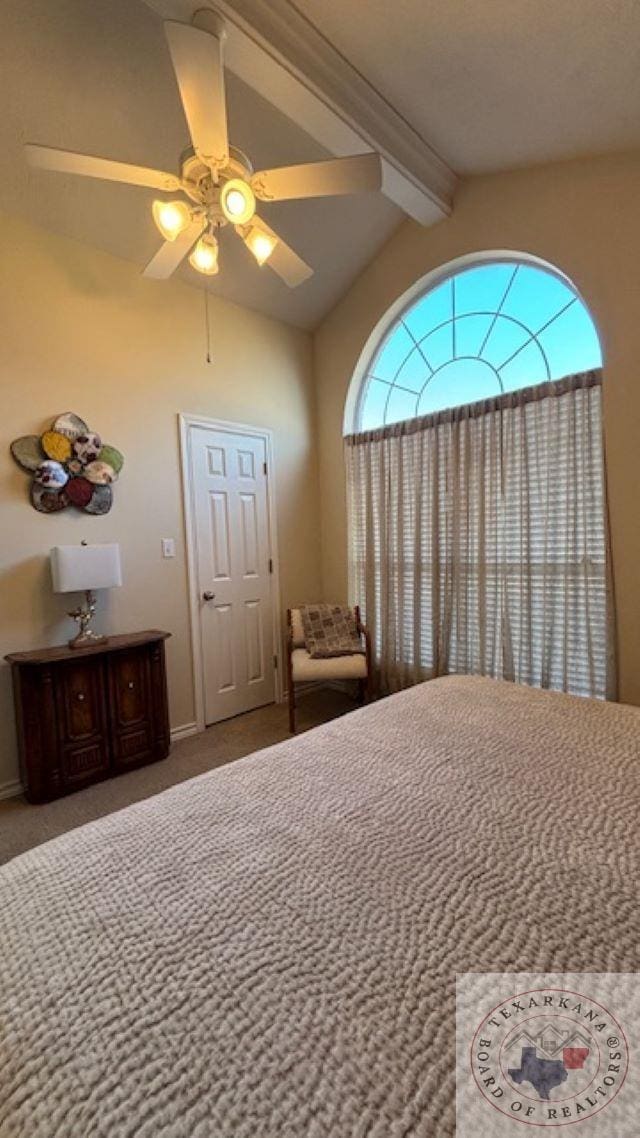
x=23, y=826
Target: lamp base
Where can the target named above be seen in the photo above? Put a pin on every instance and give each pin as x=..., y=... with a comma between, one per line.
x=86, y=638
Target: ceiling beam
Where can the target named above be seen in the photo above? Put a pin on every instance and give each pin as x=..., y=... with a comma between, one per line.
x=273, y=48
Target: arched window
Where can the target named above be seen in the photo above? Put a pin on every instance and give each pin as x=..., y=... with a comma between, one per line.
x=478, y=533
x=496, y=326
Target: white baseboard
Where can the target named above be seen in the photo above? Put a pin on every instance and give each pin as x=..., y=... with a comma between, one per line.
x=184, y=731
x=10, y=789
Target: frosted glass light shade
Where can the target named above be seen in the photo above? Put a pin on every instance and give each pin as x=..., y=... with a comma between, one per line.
x=171, y=218
x=237, y=201
x=76, y=568
x=205, y=256
x=261, y=244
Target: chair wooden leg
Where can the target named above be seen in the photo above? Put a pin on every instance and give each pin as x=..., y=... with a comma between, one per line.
x=292, y=708
x=361, y=691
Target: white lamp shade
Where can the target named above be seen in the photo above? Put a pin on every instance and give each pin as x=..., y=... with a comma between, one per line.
x=77, y=568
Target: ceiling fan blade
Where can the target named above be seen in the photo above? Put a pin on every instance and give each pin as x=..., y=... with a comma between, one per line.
x=353, y=175
x=283, y=260
x=197, y=61
x=170, y=255
x=67, y=162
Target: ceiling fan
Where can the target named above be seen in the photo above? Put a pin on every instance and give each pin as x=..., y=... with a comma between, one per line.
x=216, y=179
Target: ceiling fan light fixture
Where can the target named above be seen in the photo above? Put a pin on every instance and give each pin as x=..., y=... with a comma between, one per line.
x=261, y=244
x=205, y=256
x=172, y=218
x=237, y=201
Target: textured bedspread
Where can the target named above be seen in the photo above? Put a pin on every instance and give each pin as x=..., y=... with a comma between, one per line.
x=271, y=949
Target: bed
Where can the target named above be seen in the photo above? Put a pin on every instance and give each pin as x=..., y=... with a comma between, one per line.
x=271, y=948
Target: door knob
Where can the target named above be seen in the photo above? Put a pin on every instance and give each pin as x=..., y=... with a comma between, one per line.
x=208, y=596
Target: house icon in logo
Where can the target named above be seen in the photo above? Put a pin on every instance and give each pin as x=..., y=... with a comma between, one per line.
x=550, y=1041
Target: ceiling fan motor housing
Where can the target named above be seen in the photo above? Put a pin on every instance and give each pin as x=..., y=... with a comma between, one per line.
x=199, y=183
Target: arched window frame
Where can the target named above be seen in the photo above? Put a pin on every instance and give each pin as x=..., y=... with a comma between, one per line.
x=420, y=289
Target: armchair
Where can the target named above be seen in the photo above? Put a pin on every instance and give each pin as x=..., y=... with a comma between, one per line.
x=303, y=668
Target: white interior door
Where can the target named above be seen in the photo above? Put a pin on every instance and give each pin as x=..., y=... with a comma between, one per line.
x=233, y=570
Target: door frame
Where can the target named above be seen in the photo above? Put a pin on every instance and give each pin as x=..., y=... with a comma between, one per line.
x=186, y=422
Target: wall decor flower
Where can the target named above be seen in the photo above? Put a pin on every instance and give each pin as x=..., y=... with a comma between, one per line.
x=70, y=465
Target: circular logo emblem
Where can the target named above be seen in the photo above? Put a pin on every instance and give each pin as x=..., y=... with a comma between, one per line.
x=549, y=1057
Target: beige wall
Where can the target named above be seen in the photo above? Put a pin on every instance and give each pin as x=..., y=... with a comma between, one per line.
x=83, y=331
x=582, y=216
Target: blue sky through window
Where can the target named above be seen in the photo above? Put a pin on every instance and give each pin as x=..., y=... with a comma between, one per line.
x=491, y=328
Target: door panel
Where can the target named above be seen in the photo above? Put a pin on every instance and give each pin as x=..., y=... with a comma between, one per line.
x=215, y=459
x=255, y=648
x=249, y=536
x=223, y=640
x=220, y=537
x=229, y=480
x=246, y=464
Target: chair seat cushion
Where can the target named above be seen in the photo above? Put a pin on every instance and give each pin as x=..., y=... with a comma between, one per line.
x=333, y=668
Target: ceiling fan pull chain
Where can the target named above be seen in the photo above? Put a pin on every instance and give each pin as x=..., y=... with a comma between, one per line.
x=205, y=293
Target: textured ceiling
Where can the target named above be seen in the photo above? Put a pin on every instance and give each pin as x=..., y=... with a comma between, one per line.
x=95, y=76
x=492, y=84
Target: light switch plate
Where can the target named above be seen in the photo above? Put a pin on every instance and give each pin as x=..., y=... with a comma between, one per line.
x=168, y=547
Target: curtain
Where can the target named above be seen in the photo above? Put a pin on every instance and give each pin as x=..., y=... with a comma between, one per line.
x=479, y=541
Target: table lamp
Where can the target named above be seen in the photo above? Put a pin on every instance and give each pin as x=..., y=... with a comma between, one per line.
x=84, y=568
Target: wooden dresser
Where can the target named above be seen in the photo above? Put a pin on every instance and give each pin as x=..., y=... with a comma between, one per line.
x=88, y=713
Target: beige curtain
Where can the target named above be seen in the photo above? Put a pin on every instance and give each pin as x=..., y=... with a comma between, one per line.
x=479, y=541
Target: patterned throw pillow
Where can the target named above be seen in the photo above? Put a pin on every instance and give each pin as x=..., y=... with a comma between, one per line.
x=330, y=630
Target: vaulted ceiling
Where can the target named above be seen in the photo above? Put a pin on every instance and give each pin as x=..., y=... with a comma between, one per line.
x=489, y=85
x=494, y=84
x=95, y=76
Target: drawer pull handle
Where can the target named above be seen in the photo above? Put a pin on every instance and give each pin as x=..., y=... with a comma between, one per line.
x=81, y=696
x=131, y=685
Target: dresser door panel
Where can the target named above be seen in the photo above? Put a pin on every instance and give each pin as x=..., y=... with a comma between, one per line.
x=131, y=704
x=85, y=764
x=81, y=708
x=82, y=721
